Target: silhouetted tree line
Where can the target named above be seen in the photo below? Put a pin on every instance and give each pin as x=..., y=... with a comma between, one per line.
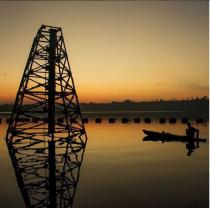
x=193, y=104
x=197, y=104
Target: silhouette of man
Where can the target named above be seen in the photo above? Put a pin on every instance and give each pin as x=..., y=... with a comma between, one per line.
x=190, y=132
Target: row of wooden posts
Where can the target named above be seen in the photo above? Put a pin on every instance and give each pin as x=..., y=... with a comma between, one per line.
x=113, y=120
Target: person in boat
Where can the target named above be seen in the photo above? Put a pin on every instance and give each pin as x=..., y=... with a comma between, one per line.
x=190, y=131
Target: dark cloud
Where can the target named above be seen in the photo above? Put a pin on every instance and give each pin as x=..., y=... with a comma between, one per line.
x=184, y=84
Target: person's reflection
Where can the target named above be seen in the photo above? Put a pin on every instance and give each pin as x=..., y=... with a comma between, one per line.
x=190, y=146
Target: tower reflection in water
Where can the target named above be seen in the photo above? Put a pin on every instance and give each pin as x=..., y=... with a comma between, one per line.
x=31, y=161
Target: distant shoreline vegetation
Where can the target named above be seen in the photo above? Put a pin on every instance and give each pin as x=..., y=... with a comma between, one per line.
x=193, y=105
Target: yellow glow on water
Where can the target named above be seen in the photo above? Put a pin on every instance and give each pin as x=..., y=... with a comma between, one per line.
x=118, y=163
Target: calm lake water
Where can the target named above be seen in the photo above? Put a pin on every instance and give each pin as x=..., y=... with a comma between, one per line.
x=120, y=170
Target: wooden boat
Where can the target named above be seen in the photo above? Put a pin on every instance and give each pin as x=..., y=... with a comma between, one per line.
x=167, y=137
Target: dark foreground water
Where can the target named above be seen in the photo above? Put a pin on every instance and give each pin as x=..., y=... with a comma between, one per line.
x=120, y=170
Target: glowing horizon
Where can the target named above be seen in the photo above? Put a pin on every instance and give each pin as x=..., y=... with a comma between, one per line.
x=117, y=50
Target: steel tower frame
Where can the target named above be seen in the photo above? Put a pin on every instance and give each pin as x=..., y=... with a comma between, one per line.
x=46, y=137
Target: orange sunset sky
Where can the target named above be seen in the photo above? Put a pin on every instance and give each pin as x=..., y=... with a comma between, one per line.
x=138, y=50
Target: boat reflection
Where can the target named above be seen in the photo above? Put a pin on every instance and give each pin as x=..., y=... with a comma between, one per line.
x=191, y=144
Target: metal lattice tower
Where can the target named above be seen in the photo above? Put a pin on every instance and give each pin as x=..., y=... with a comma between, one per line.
x=46, y=137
